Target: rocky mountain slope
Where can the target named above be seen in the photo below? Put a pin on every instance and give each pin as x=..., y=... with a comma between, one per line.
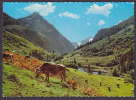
x=54, y=40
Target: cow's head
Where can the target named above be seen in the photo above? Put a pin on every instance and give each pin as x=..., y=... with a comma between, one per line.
x=38, y=72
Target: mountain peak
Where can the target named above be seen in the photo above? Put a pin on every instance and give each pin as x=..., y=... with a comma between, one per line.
x=35, y=16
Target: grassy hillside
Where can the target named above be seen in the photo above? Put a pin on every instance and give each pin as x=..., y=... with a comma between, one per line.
x=20, y=45
x=28, y=34
x=21, y=82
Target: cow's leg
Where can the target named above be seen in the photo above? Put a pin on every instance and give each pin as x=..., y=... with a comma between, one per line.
x=11, y=59
x=61, y=77
x=46, y=77
x=64, y=77
x=63, y=73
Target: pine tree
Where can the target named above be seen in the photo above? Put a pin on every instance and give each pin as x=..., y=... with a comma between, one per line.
x=75, y=61
x=115, y=73
x=89, y=69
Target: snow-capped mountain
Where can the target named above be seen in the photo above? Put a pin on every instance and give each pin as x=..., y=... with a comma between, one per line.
x=77, y=44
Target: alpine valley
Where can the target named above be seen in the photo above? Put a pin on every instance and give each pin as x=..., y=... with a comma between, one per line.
x=99, y=66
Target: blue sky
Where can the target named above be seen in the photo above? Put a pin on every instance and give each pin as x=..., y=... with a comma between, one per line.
x=76, y=21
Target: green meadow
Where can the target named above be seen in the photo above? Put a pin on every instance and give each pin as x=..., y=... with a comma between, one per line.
x=21, y=82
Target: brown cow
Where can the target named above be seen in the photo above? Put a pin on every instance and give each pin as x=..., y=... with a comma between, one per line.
x=9, y=56
x=27, y=57
x=6, y=56
x=53, y=68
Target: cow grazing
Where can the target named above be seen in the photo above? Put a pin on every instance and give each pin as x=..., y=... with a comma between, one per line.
x=52, y=68
x=27, y=57
x=9, y=56
x=6, y=56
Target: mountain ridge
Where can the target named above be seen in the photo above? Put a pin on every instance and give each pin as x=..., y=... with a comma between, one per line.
x=44, y=41
x=107, y=32
x=48, y=32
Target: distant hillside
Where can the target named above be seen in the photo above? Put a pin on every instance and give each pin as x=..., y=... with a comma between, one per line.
x=104, y=47
x=113, y=30
x=101, y=53
x=54, y=40
x=106, y=39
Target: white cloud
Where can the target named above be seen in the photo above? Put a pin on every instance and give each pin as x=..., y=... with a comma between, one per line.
x=132, y=3
x=100, y=10
x=70, y=15
x=88, y=23
x=101, y=22
x=44, y=10
x=60, y=14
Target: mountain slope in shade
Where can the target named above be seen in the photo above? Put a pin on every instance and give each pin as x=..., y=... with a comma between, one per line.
x=7, y=20
x=113, y=30
x=12, y=25
x=83, y=42
x=54, y=40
